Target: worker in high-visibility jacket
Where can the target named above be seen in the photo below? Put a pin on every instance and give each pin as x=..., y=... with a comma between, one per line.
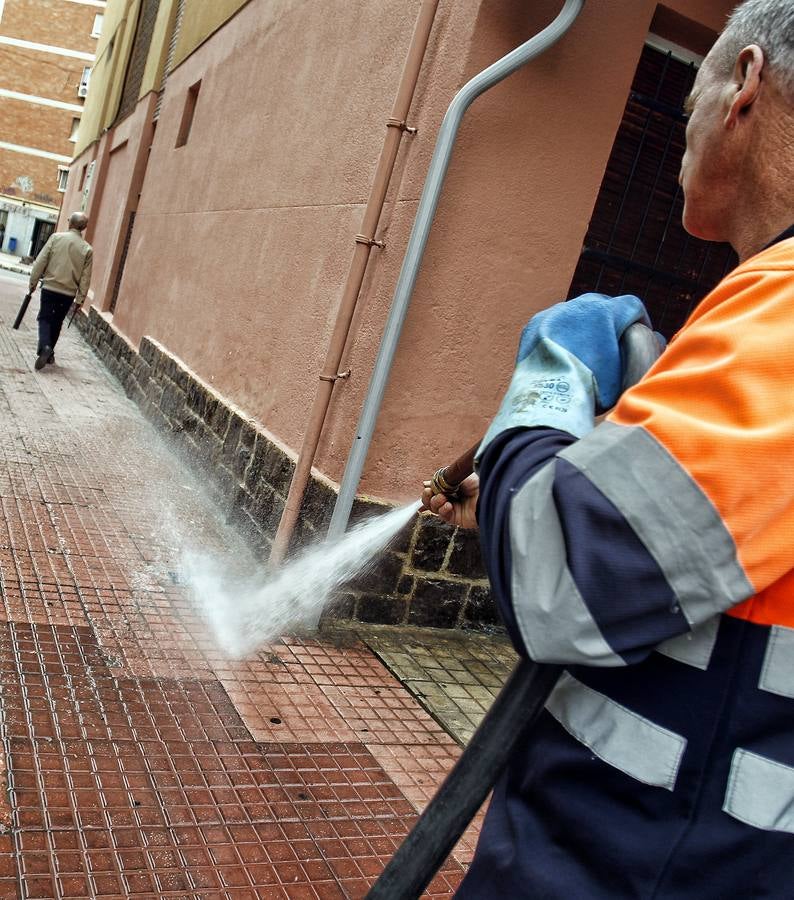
x=653, y=555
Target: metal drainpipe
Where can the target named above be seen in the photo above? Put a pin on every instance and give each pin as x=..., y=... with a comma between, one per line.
x=418, y=240
x=395, y=126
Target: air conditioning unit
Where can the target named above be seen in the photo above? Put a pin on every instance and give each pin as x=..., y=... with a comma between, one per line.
x=82, y=90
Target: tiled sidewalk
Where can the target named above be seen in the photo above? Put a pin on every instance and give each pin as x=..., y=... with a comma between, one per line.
x=454, y=675
x=139, y=761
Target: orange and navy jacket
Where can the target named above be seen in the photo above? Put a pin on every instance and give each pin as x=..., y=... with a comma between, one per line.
x=654, y=559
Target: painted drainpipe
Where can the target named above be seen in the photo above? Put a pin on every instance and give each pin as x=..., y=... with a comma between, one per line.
x=418, y=240
x=395, y=126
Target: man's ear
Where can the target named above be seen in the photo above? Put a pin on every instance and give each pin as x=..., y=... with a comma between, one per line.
x=745, y=83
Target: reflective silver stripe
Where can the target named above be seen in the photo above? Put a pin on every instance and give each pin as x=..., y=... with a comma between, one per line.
x=551, y=614
x=760, y=792
x=693, y=648
x=669, y=513
x=618, y=736
x=777, y=673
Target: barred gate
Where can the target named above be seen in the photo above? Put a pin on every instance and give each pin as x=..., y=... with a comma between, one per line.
x=635, y=243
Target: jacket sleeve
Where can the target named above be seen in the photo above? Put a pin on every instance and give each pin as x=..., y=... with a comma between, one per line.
x=85, y=277
x=40, y=265
x=573, y=580
x=677, y=508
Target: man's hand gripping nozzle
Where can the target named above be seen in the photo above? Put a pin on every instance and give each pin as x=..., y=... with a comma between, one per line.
x=447, y=480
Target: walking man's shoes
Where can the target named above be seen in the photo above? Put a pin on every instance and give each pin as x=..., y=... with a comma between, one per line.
x=43, y=358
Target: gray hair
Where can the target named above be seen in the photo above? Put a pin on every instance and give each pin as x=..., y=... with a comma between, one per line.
x=78, y=220
x=768, y=23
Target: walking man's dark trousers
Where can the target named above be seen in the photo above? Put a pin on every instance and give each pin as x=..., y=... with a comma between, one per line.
x=52, y=312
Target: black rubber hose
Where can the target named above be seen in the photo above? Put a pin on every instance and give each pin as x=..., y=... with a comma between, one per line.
x=465, y=788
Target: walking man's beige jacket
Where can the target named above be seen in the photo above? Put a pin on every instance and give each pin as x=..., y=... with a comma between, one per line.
x=64, y=264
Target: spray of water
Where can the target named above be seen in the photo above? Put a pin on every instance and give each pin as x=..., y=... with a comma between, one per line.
x=246, y=612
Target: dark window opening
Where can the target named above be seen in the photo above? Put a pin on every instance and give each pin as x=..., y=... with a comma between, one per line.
x=635, y=243
x=144, y=29
x=122, y=261
x=187, y=114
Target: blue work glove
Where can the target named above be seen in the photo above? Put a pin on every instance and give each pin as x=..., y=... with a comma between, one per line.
x=568, y=367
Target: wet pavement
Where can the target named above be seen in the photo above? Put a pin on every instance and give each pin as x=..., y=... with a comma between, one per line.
x=453, y=674
x=137, y=760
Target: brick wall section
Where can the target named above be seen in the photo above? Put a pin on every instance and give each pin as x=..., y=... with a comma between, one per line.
x=41, y=74
x=42, y=172
x=430, y=575
x=51, y=22
x=33, y=125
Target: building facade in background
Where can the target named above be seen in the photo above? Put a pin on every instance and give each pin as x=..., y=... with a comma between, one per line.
x=225, y=158
x=47, y=51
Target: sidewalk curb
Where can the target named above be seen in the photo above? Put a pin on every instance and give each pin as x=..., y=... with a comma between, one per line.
x=22, y=270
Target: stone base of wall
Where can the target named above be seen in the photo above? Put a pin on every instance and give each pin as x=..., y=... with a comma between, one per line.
x=430, y=575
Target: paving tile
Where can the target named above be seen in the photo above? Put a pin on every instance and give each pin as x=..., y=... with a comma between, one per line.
x=455, y=677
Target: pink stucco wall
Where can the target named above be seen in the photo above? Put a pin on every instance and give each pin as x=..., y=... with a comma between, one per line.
x=711, y=13
x=108, y=220
x=115, y=156
x=108, y=227
x=243, y=236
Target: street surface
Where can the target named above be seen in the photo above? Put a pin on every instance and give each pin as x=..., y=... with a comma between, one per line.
x=137, y=760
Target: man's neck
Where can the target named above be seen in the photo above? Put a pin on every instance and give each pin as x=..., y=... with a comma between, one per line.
x=765, y=205
x=754, y=239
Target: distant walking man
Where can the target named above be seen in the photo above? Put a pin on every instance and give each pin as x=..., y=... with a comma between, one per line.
x=64, y=268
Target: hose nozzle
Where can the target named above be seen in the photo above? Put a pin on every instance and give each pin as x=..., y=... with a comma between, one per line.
x=440, y=485
x=447, y=480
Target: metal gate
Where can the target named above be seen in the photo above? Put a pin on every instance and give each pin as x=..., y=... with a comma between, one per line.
x=635, y=243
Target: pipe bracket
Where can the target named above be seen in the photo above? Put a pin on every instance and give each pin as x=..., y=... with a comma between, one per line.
x=370, y=242
x=337, y=377
x=399, y=123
